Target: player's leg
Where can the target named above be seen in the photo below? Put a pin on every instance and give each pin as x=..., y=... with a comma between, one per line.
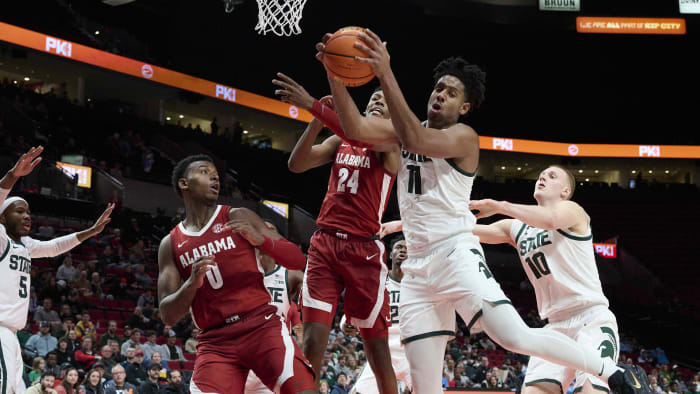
x=544, y=377
x=425, y=359
x=253, y=385
x=597, y=330
x=364, y=272
x=214, y=374
x=12, y=364
x=320, y=293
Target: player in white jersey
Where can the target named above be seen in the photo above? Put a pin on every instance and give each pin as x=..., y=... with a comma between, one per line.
x=445, y=271
x=16, y=251
x=284, y=285
x=555, y=245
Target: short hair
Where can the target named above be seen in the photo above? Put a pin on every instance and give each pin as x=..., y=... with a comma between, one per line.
x=180, y=169
x=170, y=373
x=400, y=237
x=149, y=333
x=571, y=178
x=116, y=366
x=48, y=373
x=377, y=89
x=473, y=78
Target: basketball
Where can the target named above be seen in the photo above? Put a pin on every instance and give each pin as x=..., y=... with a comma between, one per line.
x=339, y=58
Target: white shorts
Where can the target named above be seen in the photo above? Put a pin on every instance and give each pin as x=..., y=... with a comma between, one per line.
x=11, y=364
x=253, y=385
x=367, y=382
x=595, y=328
x=452, y=277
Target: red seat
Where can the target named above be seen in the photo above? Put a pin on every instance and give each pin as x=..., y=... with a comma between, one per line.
x=101, y=331
x=112, y=304
x=96, y=314
x=127, y=304
x=161, y=340
x=190, y=356
x=113, y=315
x=173, y=365
x=188, y=365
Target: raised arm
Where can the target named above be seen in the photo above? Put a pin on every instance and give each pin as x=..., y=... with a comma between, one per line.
x=174, y=296
x=251, y=227
x=495, y=233
x=564, y=214
x=457, y=141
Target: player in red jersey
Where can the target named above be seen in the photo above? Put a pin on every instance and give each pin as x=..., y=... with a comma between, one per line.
x=208, y=266
x=346, y=253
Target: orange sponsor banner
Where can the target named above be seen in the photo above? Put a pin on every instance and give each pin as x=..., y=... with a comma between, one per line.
x=56, y=46
x=590, y=150
x=623, y=25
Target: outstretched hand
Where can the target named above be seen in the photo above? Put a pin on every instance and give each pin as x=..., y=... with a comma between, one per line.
x=486, y=207
x=103, y=219
x=27, y=162
x=293, y=93
x=377, y=54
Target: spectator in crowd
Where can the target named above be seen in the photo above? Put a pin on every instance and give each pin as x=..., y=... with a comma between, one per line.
x=92, y=384
x=175, y=385
x=137, y=319
x=111, y=333
x=69, y=384
x=145, y=298
x=341, y=384
x=155, y=323
x=171, y=351
x=494, y=383
x=76, y=304
x=128, y=357
x=323, y=387
x=24, y=334
x=133, y=342
x=38, y=365
x=83, y=283
x=73, y=341
x=157, y=358
x=84, y=357
x=191, y=343
x=51, y=291
x=40, y=343
x=151, y=386
x=480, y=369
x=52, y=364
x=96, y=285
x=449, y=369
x=150, y=345
x=63, y=352
x=135, y=373
x=45, y=231
x=44, y=386
x=142, y=278
x=107, y=361
x=66, y=312
x=116, y=351
x=118, y=384
x=66, y=327
x=46, y=312
x=85, y=327
x=67, y=272
x=107, y=258
x=486, y=343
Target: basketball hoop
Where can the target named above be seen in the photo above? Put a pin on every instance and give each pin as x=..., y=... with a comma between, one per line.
x=279, y=16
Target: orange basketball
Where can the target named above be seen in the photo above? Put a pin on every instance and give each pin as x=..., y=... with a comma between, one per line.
x=339, y=58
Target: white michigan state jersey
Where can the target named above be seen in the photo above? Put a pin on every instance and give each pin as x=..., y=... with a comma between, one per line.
x=434, y=201
x=15, y=266
x=561, y=267
x=393, y=287
x=277, y=285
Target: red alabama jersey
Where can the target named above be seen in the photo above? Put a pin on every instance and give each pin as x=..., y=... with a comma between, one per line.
x=358, y=192
x=235, y=285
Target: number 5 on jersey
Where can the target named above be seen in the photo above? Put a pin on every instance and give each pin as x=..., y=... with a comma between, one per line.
x=352, y=183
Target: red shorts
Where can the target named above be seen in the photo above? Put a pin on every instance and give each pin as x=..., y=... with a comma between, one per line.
x=356, y=265
x=259, y=341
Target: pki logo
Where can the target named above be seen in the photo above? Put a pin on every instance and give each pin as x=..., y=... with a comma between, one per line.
x=59, y=47
x=649, y=151
x=503, y=144
x=226, y=93
x=606, y=250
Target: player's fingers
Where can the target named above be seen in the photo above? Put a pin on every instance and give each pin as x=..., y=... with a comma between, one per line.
x=326, y=37
x=282, y=84
x=364, y=48
x=36, y=162
x=369, y=41
x=373, y=35
x=286, y=78
x=365, y=60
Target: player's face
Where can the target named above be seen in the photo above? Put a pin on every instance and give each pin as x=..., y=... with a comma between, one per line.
x=399, y=253
x=552, y=183
x=447, y=101
x=377, y=106
x=17, y=219
x=202, y=180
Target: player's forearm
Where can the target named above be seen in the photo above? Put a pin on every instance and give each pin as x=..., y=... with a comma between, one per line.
x=351, y=119
x=8, y=181
x=300, y=161
x=407, y=126
x=174, y=306
x=284, y=253
x=54, y=247
x=533, y=215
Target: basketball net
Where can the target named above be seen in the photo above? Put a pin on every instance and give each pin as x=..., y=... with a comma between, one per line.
x=279, y=16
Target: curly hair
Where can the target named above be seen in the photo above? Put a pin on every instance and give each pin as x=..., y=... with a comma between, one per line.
x=473, y=78
x=181, y=169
